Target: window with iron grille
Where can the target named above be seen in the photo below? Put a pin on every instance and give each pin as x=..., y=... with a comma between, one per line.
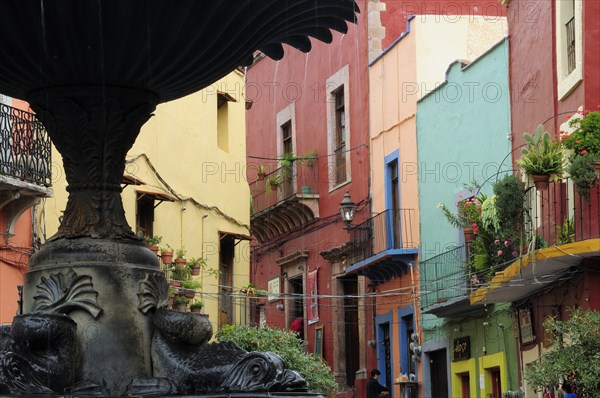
x=570, y=27
x=569, y=45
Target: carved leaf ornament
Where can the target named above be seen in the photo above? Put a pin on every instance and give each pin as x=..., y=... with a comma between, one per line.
x=152, y=293
x=63, y=293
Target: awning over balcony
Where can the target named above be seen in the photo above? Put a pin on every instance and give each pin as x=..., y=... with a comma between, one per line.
x=526, y=275
x=457, y=306
x=155, y=193
x=386, y=265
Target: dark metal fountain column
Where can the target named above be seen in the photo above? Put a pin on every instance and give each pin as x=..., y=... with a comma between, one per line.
x=98, y=277
x=93, y=128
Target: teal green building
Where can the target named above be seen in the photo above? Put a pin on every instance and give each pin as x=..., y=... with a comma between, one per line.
x=463, y=137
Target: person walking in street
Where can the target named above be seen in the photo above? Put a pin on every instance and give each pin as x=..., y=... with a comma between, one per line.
x=374, y=389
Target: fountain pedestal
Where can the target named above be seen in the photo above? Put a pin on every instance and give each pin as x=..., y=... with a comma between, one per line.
x=107, y=287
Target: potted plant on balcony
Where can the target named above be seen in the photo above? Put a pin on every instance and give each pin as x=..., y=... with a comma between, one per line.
x=272, y=183
x=260, y=172
x=152, y=242
x=166, y=254
x=583, y=173
x=542, y=160
x=509, y=204
x=181, y=274
x=196, y=307
x=180, y=303
x=310, y=157
x=180, y=261
x=467, y=216
x=190, y=287
x=585, y=139
x=195, y=265
x=171, y=296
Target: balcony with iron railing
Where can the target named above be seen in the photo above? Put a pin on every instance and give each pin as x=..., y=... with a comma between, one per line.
x=561, y=229
x=384, y=245
x=284, y=199
x=25, y=164
x=25, y=148
x=445, y=283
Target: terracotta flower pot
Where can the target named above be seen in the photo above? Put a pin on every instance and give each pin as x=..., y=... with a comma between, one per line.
x=189, y=293
x=196, y=310
x=180, y=263
x=154, y=249
x=196, y=270
x=167, y=257
x=541, y=182
x=261, y=176
x=469, y=234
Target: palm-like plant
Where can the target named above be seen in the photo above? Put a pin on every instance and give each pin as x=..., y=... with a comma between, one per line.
x=542, y=155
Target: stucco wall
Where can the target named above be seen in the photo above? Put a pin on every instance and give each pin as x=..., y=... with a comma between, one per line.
x=468, y=144
x=415, y=66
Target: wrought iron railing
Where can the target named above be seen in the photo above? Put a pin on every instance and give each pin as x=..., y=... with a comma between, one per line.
x=559, y=215
x=391, y=229
x=25, y=148
x=443, y=277
x=554, y=216
x=282, y=183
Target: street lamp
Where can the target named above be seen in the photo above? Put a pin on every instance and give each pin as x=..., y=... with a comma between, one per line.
x=347, y=209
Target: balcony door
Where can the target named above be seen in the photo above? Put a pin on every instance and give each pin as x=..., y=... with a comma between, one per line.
x=392, y=199
x=226, y=257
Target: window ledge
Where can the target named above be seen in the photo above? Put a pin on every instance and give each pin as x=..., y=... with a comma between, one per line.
x=336, y=187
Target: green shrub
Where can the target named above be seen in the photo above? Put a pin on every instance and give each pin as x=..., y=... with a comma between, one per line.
x=286, y=344
x=510, y=200
x=576, y=353
x=583, y=173
x=586, y=137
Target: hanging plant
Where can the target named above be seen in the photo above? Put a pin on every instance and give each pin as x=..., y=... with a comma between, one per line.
x=542, y=160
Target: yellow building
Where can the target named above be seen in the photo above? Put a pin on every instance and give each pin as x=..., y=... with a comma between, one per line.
x=185, y=181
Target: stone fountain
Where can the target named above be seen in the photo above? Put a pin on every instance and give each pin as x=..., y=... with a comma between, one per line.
x=94, y=316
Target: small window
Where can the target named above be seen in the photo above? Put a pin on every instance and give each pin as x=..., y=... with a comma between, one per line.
x=286, y=134
x=340, y=137
x=223, y=121
x=145, y=215
x=288, y=148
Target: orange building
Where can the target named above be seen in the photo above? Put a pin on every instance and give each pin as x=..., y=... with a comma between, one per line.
x=25, y=170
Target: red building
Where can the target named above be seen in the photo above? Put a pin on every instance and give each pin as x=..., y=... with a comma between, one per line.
x=308, y=128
